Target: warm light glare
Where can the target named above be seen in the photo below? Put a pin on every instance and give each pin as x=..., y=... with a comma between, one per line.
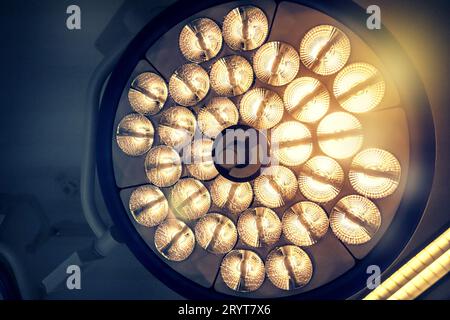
x=261, y=108
x=275, y=186
x=276, y=63
x=242, y=270
x=163, y=166
x=148, y=93
x=325, y=49
x=189, y=199
x=219, y=113
x=259, y=227
x=231, y=196
x=177, y=127
x=148, y=205
x=216, y=233
x=198, y=159
x=200, y=40
x=231, y=76
x=135, y=134
x=174, y=240
x=189, y=84
x=245, y=28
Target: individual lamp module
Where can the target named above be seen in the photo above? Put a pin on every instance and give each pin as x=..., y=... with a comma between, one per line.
x=135, y=134
x=242, y=270
x=321, y=179
x=174, y=240
x=289, y=267
x=305, y=223
x=340, y=135
x=148, y=93
x=200, y=40
x=189, y=199
x=234, y=197
x=245, y=28
x=177, y=127
x=216, y=233
x=231, y=76
x=189, y=84
x=163, y=166
x=291, y=143
x=261, y=108
x=276, y=63
x=148, y=205
x=219, y=113
x=306, y=99
x=325, y=49
x=198, y=159
x=375, y=173
x=275, y=186
x=355, y=219
x=259, y=227
x=359, y=87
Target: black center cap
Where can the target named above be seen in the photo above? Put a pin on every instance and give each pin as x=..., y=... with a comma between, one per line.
x=239, y=152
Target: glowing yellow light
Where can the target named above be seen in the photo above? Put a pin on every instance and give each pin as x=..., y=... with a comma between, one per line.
x=231, y=76
x=321, y=179
x=275, y=186
x=233, y=196
x=200, y=40
x=216, y=233
x=219, y=113
x=135, y=134
x=245, y=28
x=148, y=93
x=177, y=127
x=259, y=227
x=291, y=143
x=261, y=108
x=359, y=87
x=163, y=166
x=189, y=84
x=276, y=63
x=375, y=173
x=199, y=161
x=242, y=270
x=189, y=199
x=305, y=223
x=174, y=240
x=148, y=205
x=340, y=135
x=289, y=267
x=306, y=99
x=355, y=219
x=325, y=49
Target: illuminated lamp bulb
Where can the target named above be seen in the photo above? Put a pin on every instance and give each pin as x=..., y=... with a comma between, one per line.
x=325, y=49
x=232, y=196
x=189, y=84
x=359, y=87
x=177, y=127
x=259, y=227
x=275, y=186
x=148, y=205
x=200, y=40
x=163, y=166
x=291, y=143
x=135, y=134
x=219, y=113
x=340, y=135
x=355, y=219
x=189, y=199
x=261, y=108
x=276, y=63
x=198, y=159
x=242, y=270
x=306, y=99
x=148, y=93
x=375, y=173
x=216, y=233
x=174, y=240
x=231, y=76
x=321, y=179
x=289, y=268
x=245, y=28
x=305, y=223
